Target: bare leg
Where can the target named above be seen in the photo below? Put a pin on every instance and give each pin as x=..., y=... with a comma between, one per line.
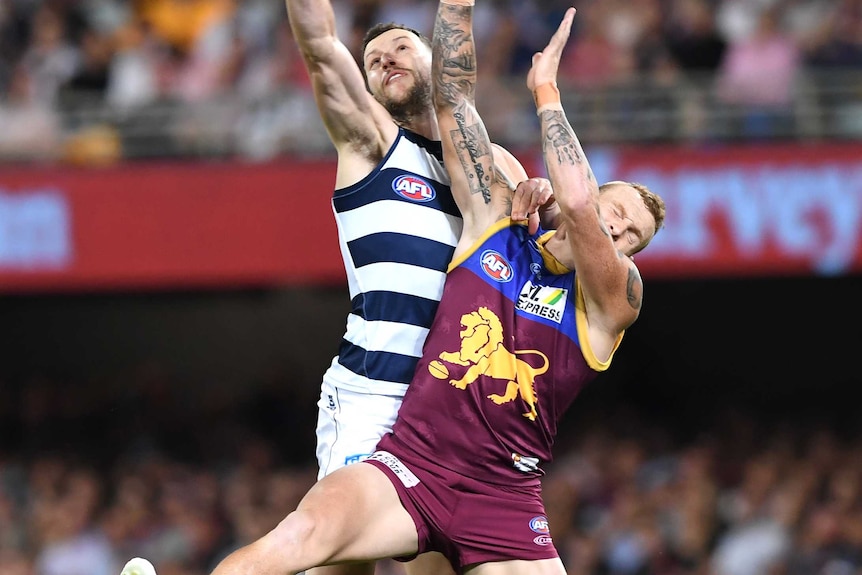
x=352, y=569
x=540, y=567
x=353, y=514
x=431, y=563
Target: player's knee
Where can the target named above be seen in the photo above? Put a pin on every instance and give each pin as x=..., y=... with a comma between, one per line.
x=296, y=530
x=301, y=538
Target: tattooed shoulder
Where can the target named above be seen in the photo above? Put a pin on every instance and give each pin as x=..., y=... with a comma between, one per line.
x=634, y=287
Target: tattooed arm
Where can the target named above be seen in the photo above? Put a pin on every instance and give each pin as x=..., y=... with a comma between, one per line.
x=482, y=196
x=359, y=127
x=609, y=279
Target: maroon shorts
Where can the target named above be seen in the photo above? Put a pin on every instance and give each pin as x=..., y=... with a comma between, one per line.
x=466, y=520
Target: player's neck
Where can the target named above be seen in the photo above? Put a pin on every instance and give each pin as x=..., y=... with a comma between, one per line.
x=558, y=246
x=424, y=124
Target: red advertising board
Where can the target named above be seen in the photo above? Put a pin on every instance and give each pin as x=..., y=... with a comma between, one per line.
x=739, y=211
x=749, y=210
x=167, y=226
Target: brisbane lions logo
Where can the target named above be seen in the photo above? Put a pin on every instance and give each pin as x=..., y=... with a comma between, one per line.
x=483, y=352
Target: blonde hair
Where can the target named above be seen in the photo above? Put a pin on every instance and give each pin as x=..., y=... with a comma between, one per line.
x=651, y=200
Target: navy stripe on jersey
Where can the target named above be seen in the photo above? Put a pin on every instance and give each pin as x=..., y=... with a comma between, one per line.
x=348, y=201
x=397, y=230
x=379, y=365
x=395, y=307
x=400, y=248
x=432, y=147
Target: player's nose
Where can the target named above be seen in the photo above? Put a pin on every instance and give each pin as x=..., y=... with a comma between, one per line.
x=616, y=229
x=617, y=226
x=387, y=60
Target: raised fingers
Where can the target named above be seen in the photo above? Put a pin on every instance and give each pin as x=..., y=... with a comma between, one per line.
x=522, y=200
x=561, y=36
x=529, y=197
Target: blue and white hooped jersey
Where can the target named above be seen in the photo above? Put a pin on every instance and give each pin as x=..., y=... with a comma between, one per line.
x=397, y=229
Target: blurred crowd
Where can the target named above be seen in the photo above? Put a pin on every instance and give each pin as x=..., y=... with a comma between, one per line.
x=741, y=497
x=84, y=489
x=133, y=55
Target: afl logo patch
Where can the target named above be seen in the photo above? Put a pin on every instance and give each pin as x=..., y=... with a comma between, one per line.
x=540, y=524
x=413, y=188
x=496, y=266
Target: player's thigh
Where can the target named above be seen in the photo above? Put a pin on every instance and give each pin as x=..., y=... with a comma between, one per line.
x=537, y=567
x=366, y=568
x=349, y=425
x=431, y=563
x=357, y=515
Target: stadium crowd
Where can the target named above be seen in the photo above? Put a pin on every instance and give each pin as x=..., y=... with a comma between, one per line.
x=88, y=481
x=131, y=56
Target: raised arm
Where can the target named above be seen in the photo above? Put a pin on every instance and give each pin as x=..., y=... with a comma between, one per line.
x=349, y=113
x=468, y=153
x=609, y=278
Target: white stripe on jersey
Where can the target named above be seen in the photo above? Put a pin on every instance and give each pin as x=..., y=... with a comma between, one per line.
x=387, y=336
x=418, y=160
x=402, y=218
x=374, y=213
x=401, y=278
x=340, y=376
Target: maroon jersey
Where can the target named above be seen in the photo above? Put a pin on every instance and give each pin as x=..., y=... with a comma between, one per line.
x=506, y=355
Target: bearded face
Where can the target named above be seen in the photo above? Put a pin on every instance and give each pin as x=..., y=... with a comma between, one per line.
x=397, y=67
x=415, y=102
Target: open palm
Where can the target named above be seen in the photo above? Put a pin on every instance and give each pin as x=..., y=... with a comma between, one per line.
x=547, y=62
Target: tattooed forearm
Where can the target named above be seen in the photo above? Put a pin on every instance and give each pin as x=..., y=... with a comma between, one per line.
x=560, y=142
x=559, y=138
x=634, y=288
x=454, y=70
x=454, y=65
x=454, y=75
x=474, y=151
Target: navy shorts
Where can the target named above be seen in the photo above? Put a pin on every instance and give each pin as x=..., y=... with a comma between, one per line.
x=466, y=520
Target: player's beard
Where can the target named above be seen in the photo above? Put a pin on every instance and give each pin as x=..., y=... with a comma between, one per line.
x=415, y=104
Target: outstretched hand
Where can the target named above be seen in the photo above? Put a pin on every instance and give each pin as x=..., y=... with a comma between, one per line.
x=533, y=198
x=547, y=62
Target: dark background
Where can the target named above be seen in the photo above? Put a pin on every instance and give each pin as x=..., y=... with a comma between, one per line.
x=198, y=373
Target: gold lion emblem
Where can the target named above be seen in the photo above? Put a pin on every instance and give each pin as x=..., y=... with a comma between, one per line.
x=483, y=351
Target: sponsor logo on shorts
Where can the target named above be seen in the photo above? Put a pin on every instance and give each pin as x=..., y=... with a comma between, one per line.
x=399, y=469
x=543, y=540
x=539, y=524
x=330, y=405
x=543, y=301
x=414, y=188
x=356, y=458
x=496, y=266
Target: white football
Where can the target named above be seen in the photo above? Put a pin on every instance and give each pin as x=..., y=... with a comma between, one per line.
x=138, y=566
